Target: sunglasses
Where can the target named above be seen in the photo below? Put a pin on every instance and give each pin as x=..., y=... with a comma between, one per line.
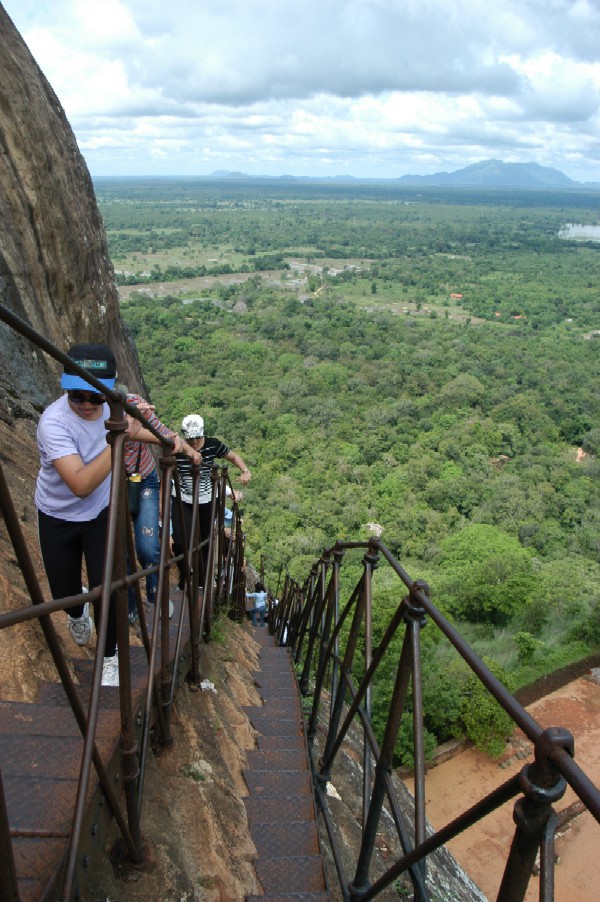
x=86, y=397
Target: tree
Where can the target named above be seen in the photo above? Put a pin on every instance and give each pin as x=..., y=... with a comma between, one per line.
x=463, y=391
x=484, y=721
x=591, y=442
x=486, y=574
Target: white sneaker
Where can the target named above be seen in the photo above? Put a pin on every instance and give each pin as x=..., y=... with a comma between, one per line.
x=171, y=608
x=81, y=627
x=110, y=671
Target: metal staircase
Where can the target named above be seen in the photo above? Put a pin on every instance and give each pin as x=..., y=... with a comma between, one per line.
x=280, y=807
x=40, y=755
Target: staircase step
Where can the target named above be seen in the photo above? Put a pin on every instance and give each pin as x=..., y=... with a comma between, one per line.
x=282, y=706
x=277, y=759
x=54, y=694
x=289, y=691
x=287, y=840
x=303, y=873
x=40, y=805
x=278, y=785
x=275, y=665
x=279, y=811
x=40, y=756
x=268, y=679
x=286, y=708
x=275, y=654
x=35, y=859
x=289, y=897
x=27, y=719
x=262, y=635
x=276, y=726
x=280, y=743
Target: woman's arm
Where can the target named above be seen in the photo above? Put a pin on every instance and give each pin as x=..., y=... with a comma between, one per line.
x=180, y=446
x=82, y=478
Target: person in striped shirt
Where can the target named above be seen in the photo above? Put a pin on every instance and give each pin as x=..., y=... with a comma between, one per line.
x=211, y=449
x=139, y=459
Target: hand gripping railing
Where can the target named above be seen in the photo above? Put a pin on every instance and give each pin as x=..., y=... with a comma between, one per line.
x=332, y=646
x=120, y=546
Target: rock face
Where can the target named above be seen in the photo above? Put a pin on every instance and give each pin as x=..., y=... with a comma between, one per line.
x=55, y=274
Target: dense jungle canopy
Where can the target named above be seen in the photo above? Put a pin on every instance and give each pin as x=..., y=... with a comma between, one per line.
x=367, y=396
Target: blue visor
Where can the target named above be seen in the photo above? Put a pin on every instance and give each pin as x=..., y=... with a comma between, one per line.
x=69, y=382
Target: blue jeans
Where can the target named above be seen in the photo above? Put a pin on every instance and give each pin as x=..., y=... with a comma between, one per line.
x=145, y=530
x=261, y=614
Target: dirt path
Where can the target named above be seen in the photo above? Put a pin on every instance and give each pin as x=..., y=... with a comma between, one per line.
x=455, y=785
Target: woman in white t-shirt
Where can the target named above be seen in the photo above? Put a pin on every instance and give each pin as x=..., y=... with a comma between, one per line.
x=73, y=489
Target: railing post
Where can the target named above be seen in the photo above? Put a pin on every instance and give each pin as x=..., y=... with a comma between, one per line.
x=346, y=668
x=116, y=540
x=282, y=612
x=542, y=785
x=129, y=746
x=9, y=888
x=305, y=619
x=370, y=561
x=383, y=769
x=220, y=556
x=415, y=620
x=209, y=575
x=315, y=612
x=338, y=555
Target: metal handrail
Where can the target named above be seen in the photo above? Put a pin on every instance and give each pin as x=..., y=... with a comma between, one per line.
x=332, y=646
x=119, y=547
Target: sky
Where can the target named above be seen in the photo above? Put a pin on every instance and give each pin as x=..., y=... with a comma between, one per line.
x=323, y=88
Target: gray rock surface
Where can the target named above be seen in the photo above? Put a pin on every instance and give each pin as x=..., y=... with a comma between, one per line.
x=55, y=272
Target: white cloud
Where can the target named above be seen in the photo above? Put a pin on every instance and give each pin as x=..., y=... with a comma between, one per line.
x=366, y=87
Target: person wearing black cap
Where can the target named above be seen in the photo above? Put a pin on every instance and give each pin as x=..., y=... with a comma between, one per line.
x=73, y=489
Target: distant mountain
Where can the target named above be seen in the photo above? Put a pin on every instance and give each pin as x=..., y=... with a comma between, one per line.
x=495, y=174
x=486, y=174
x=227, y=174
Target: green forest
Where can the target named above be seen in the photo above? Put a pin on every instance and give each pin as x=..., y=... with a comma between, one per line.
x=424, y=361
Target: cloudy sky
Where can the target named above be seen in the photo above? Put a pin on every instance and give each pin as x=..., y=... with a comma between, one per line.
x=377, y=88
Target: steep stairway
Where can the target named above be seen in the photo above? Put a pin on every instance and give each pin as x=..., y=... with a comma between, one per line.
x=280, y=807
x=40, y=757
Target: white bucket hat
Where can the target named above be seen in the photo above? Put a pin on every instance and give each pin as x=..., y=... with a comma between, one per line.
x=192, y=426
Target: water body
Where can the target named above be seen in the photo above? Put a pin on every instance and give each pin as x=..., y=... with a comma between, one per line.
x=575, y=232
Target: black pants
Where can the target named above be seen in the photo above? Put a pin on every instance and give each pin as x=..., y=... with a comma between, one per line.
x=64, y=545
x=181, y=539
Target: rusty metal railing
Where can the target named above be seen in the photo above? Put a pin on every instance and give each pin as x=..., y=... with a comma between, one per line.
x=337, y=662
x=225, y=557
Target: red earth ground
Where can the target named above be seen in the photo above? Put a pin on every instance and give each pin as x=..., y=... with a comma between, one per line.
x=453, y=786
